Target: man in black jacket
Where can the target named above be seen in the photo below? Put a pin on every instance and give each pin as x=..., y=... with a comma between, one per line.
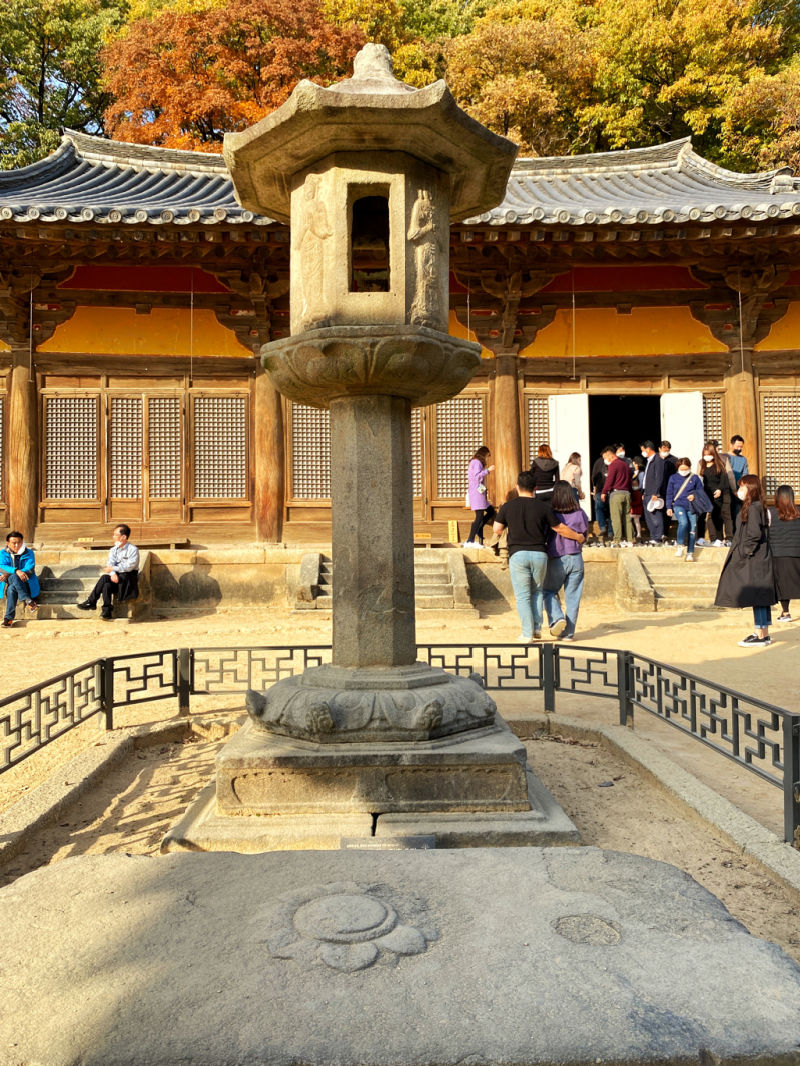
x=654, y=486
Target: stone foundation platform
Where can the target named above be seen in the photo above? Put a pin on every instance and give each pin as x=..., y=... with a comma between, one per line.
x=521, y=956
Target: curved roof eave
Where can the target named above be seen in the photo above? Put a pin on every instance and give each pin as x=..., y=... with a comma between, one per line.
x=94, y=180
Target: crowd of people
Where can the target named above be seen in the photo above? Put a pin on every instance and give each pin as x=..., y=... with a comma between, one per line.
x=543, y=527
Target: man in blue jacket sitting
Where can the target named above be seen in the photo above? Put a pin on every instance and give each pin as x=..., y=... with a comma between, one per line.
x=17, y=579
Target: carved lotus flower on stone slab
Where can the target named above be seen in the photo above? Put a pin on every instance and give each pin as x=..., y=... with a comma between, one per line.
x=346, y=926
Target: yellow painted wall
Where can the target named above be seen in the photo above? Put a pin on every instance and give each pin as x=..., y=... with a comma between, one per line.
x=457, y=330
x=600, y=331
x=785, y=333
x=165, y=331
x=4, y=347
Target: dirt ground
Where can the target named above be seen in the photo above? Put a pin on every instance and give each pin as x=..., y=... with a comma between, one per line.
x=612, y=806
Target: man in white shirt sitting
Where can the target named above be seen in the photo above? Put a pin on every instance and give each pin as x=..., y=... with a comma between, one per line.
x=120, y=577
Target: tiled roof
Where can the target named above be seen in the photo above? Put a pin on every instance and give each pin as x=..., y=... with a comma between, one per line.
x=90, y=179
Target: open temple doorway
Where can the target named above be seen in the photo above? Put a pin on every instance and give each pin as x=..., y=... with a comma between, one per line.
x=623, y=419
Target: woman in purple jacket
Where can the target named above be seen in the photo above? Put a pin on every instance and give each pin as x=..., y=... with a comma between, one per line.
x=564, y=564
x=477, y=496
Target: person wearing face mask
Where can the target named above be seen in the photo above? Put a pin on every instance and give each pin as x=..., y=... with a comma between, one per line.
x=747, y=578
x=717, y=483
x=670, y=462
x=654, y=485
x=686, y=498
x=598, y=478
x=739, y=468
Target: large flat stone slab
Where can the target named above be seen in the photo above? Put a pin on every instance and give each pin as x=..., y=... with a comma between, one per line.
x=501, y=956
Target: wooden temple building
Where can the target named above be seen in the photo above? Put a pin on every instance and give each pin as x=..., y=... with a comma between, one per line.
x=617, y=296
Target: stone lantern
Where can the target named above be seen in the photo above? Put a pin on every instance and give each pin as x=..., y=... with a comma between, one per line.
x=369, y=174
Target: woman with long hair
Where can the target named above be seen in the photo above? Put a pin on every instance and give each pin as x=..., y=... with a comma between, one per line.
x=717, y=482
x=478, y=497
x=572, y=474
x=564, y=564
x=747, y=578
x=784, y=540
x=545, y=472
x=686, y=499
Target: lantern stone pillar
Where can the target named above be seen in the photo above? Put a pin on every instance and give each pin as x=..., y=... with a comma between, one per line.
x=369, y=173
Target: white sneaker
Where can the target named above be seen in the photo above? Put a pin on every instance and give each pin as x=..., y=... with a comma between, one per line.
x=700, y=542
x=690, y=558
x=784, y=618
x=717, y=543
x=679, y=552
x=471, y=544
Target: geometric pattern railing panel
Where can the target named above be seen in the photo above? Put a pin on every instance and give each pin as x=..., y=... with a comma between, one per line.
x=538, y=424
x=125, y=434
x=71, y=448
x=781, y=435
x=220, y=447
x=144, y=677
x=712, y=417
x=164, y=446
x=311, y=453
x=224, y=670
x=459, y=433
x=32, y=718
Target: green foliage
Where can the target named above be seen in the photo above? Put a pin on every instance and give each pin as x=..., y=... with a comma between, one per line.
x=50, y=70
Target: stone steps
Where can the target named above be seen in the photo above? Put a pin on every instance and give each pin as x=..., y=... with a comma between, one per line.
x=678, y=585
x=69, y=581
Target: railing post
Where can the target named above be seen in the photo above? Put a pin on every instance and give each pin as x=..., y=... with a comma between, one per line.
x=625, y=687
x=548, y=654
x=184, y=671
x=107, y=689
x=791, y=779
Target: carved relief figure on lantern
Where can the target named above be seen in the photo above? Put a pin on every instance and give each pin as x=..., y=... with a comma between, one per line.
x=315, y=229
x=423, y=233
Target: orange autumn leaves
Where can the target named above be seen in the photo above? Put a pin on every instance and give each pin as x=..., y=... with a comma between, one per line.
x=184, y=77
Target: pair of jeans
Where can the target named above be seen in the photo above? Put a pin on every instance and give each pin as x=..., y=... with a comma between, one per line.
x=527, y=570
x=687, y=525
x=762, y=617
x=16, y=590
x=482, y=518
x=600, y=513
x=565, y=571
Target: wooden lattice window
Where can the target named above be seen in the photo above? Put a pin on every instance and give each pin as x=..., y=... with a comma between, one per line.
x=459, y=432
x=125, y=437
x=781, y=434
x=220, y=447
x=311, y=453
x=712, y=417
x=164, y=450
x=416, y=451
x=71, y=447
x=538, y=410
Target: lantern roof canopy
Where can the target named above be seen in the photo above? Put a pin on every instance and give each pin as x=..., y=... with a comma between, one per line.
x=370, y=112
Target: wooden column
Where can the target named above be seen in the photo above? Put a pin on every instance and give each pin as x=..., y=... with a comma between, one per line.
x=741, y=406
x=23, y=448
x=269, y=459
x=507, y=438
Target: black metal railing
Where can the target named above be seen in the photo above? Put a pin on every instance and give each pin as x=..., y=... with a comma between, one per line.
x=759, y=736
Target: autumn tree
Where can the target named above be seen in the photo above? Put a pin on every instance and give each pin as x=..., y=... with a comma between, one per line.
x=50, y=72
x=182, y=79
x=525, y=77
x=761, y=126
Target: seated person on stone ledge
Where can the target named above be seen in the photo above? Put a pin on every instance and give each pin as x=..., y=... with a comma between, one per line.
x=120, y=577
x=17, y=579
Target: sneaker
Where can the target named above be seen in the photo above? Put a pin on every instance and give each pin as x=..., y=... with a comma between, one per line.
x=700, y=542
x=107, y=617
x=86, y=606
x=717, y=544
x=784, y=618
x=8, y=623
x=32, y=606
x=537, y=634
x=568, y=636
x=690, y=557
x=557, y=628
x=679, y=553
x=754, y=641
x=726, y=544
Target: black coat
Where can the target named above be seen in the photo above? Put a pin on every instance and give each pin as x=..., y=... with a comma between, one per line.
x=746, y=579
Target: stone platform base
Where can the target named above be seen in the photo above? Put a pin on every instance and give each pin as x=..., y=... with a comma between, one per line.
x=520, y=956
x=203, y=828
x=277, y=793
